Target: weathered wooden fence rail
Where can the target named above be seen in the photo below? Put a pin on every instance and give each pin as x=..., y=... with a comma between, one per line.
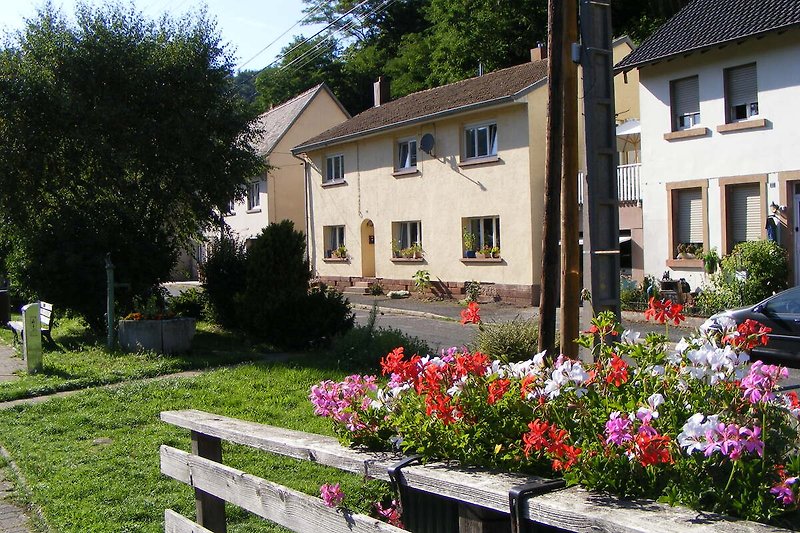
x=480, y=497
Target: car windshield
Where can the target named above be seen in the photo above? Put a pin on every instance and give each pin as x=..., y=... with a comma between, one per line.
x=784, y=302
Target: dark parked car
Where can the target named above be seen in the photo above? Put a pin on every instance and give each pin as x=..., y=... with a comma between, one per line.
x=781, y=312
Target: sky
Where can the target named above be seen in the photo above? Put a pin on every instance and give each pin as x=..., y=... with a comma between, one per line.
x=248, y=25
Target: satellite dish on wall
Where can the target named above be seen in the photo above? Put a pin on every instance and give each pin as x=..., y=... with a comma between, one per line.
x=427, y=143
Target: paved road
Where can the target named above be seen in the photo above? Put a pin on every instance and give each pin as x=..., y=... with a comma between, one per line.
x=445, y=333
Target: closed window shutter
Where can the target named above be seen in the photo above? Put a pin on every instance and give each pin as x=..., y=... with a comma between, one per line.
x=742, y=85
x=745, y=213
x=690, y=216
x=686, y=96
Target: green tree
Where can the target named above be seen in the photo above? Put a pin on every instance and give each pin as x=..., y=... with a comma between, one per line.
x=117, y=135
x=303, y=65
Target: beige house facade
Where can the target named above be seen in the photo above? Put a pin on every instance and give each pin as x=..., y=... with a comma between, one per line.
x=279, y=194
x=422, y=171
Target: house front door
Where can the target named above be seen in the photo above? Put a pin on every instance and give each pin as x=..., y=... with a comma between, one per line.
x=367, y=249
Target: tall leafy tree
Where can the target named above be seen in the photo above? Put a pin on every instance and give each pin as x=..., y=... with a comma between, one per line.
x=303, y=65
x=118, y=135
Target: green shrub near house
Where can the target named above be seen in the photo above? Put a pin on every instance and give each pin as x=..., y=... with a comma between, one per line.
x=516, y=340
x=753, y=271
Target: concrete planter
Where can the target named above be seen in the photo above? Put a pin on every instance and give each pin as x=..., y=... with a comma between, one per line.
x=164, y=336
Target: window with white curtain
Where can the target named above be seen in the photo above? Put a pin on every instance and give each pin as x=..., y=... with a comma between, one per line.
x=334, y=168
x=480, y=141
x=486, y=231
x=334, y=238
x=407, y=233
x=254, y=195
x=407, y=154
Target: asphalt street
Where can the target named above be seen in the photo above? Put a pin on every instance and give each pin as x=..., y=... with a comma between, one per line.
x=440, y=333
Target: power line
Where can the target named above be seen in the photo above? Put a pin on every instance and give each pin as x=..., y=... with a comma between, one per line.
x=326, y=28
x=279, y=37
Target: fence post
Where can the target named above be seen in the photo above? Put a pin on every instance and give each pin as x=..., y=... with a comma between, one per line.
x=473, y=519
x=210, y=509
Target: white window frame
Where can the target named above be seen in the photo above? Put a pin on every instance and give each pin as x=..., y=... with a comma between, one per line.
x=402, y=232
x=410, y=161
x=477, y=226
x=689, y=118
x=334, y=168
x=740, y=103
x=474, y=147
x=334, y=238
x=254, y=196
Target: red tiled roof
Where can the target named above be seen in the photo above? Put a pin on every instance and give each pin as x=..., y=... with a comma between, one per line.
x=492, y=88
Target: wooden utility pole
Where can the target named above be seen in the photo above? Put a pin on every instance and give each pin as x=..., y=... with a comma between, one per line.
x=553, y=171
x=570, y=252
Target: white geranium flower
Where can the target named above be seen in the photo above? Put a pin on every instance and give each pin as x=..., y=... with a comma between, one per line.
x=630, y=336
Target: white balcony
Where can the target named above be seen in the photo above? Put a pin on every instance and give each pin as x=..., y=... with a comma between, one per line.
x=628, y=184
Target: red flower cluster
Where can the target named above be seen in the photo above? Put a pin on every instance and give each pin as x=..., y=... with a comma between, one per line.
x=406, y=370
x=618, y=373
x=551, y=439
x=470, y=314
x=749, y=334
x=663, y=311
x=497, y=390
x=652, y=449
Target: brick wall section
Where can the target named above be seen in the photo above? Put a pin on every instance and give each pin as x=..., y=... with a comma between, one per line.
x=512, y=294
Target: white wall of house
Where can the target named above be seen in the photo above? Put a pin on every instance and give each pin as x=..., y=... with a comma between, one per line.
x=440, y=195
x=715, y=157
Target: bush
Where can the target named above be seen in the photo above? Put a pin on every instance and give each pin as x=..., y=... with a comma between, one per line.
x=364, y=346
x=516, y=340
x=190, y=303
x=753, y=271
x=223, y=276
x=277, y=305
x=634, y=296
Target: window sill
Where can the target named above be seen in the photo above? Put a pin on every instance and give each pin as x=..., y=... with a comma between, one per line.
x=686, y=134
x=755, y=124
x=226, y=215
x=254, y=210
x=333, y=183
x=476, y=260
x=475, y=161
x=685, y=263
x=336, y=259
x=407, y=260
x=402, y=172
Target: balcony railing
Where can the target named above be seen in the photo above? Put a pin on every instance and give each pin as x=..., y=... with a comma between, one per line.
x=628, y=184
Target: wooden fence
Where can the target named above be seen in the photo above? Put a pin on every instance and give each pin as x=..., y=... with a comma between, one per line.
x=479, y=499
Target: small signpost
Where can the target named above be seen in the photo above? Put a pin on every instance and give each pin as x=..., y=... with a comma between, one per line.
x=32, y=337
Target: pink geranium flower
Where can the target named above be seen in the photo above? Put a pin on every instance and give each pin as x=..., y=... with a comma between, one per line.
x=332, y=495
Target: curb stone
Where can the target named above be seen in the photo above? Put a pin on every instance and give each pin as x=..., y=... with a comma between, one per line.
x=407, y=312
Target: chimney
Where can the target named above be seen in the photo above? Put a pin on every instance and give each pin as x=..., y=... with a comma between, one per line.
x=539, y=53
x=380, y=90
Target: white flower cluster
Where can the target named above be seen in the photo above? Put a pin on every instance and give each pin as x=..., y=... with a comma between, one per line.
x=705, y=361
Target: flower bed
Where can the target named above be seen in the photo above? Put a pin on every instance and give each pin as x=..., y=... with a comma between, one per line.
x=695, y=427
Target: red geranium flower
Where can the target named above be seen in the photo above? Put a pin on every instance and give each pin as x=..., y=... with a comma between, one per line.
x=618, y=373
x=652, y=450
x=497, y=389
x=470, y=314
x=536, y=438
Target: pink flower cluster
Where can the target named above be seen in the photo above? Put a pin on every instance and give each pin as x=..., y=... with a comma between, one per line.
x=343, y=401
x=711, y=436
x=783, y=491
x=618, y=429
x=332, y=495
x=390, y=513
x=760, y=382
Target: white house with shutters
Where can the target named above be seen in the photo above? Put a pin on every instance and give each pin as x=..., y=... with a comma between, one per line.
x=719, y=128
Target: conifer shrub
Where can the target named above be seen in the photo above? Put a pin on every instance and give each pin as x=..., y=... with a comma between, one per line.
x=223, y=275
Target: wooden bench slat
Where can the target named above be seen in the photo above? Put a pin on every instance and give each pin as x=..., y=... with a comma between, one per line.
x=282, y=505
x=177, y=523
x=574, y=509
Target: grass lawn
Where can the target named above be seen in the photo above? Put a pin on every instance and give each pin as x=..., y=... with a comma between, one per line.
x=80, y=360
x=92, y=459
